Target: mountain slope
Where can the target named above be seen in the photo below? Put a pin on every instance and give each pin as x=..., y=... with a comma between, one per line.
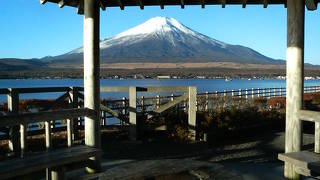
x=162, y=39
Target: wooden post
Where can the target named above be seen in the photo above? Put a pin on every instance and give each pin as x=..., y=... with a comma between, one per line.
x=252, y=93
x=142, y=104
x=132, y=113
x=317, y=137
x=48, y=134
x=294, y=82
x=58, y=173
x=13, y=108
x=158, y=101
x=91, y=54
x=207, y=101
x=246, y=93
x=192, y=111
x=124, y=106
x=72, y=124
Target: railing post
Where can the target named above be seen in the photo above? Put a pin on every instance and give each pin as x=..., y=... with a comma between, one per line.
x=124, y=108
x=269, y=93
x=72, y=124
x=192, y=91
x=280, y=92
x=274, y=92
x=232, y=93
x=317, y=137
x=132, y=113
x=264, y=93
x=258, y=92
x=239, y=94
x=157, y=101
x=207, y=101
x=142, y=104
x=13, y=108
x=246, y=93
x=252, y=93
x=48, y=134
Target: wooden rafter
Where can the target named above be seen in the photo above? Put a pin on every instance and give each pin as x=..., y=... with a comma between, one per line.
x=103, y=7
x=140, y=2
x=161, y=4
x=202, y=4
x=182, y=4
x=61, y=3
x=244, y=3
x=121, y=4
x=312, y=4
x=265, y=3
x=80, y=8
x=223, y=3
x=43, y=1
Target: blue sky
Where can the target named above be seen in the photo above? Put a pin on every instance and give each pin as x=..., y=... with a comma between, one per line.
x=32, y=30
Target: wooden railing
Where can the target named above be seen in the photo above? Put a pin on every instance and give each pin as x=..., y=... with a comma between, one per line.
x=122, y=109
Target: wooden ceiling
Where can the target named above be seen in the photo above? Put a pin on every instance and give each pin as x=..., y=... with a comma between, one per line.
x=310, y=4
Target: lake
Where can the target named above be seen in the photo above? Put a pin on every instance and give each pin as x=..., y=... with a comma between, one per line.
x=202, y=85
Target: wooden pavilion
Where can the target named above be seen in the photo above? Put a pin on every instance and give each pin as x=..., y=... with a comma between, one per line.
x=295, y=164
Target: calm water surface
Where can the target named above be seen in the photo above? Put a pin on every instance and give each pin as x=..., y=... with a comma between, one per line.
x=203, y=85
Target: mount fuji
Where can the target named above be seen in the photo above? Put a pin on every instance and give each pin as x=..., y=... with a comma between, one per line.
x=165, y=40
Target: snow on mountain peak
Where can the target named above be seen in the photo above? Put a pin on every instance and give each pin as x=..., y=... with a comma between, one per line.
x=154, y=25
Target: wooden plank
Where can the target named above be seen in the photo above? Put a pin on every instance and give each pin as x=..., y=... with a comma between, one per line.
x=306, y=163
x=56, y=102
x=167, y=89
x=171, y=103
x=40, y=161
x=306, y=115
x=27, y=118
x=114, y=89
x=42, y=89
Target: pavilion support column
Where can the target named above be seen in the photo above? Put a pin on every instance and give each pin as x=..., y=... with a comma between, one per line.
x=192, y=112
x=132, y=113
x=294, y=83
x=92, y=77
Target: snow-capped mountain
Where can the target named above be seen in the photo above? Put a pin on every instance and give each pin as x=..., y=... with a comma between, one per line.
x=162, y=39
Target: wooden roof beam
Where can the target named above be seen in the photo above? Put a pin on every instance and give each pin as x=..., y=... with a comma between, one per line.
x=141, y=4
x=103, y=7
x=265, y=3
x=43, y=1
x=223, y=3
x=121, y=4
x=202, y=4
x=312, y=4
x=61, y=3
x=80, y=8
x=244, y=3
x=182, y=4
x=161, y=4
